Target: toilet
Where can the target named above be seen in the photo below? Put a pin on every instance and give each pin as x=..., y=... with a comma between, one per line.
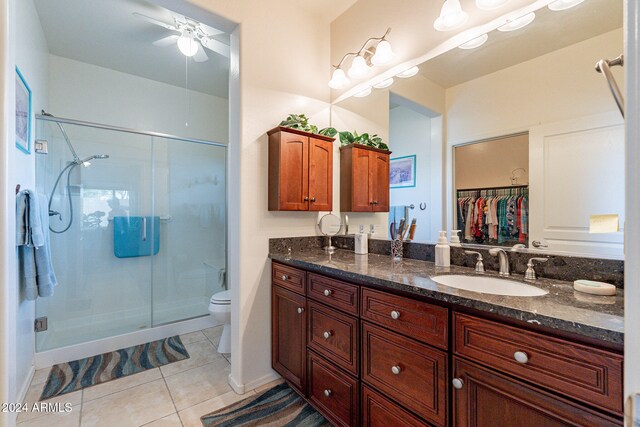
x=220, y=309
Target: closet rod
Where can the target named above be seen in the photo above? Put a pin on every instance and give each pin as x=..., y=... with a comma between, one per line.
x=493, y=188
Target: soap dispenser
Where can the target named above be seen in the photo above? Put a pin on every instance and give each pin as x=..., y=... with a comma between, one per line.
x=443, y=251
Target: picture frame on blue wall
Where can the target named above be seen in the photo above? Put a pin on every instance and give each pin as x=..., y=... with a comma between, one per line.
x=24, y=101
x=402, y=172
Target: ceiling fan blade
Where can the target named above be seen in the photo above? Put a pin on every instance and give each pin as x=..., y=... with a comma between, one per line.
x=200, y=55
x=155, y=21
x=166, y=41
x=209, y=30
x=216, y=46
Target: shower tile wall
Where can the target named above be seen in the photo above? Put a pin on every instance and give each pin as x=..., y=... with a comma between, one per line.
x=100, y=295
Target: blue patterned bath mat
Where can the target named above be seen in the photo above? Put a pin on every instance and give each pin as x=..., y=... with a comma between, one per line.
x=278, y=406
x=68, y=377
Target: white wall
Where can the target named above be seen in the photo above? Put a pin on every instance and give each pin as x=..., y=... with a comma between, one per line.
x=410, y=134
x=32, y=60
x=130, y=101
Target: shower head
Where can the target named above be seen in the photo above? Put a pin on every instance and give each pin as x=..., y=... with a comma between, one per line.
x=87, y=162
x=76, y=159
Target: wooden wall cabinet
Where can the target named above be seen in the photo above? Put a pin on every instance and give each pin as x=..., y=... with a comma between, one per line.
x=364, y=179
x=300, y=171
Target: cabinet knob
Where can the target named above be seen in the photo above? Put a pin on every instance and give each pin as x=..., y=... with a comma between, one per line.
x=521, y=357
x=396, y=370
x=375, y=202
x=327, y=292
x=285, y=277
x=300, y=310
x=327, y=335
x=395, y=315
x=306, y=199
x=313, y=199
x=328, y=392
x=457, y=383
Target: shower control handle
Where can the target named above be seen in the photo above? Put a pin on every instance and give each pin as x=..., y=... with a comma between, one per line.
x=144, y=229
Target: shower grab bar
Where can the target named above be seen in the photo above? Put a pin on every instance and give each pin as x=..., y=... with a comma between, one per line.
x=603, y=66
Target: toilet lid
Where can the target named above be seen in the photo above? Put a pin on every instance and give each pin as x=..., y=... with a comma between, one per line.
x=223, y=297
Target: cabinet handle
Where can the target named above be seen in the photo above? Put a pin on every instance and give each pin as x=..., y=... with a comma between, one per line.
x=285, y=277
x=521, y=357
x=300, y=310
x=328, y=392
x=313, y=199
x=395, y=315
x=327, y=335
x=375, y=202
x=396, y=370
x=327, y=292
x=457, y=383
x=306, y=199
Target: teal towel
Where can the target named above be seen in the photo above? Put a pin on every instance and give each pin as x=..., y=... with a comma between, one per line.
x=129, y=236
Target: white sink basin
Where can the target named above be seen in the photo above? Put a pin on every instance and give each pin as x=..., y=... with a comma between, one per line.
x=489, y=285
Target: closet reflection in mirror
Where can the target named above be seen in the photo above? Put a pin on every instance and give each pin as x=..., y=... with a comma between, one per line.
x=492, y=191
x=537, y=81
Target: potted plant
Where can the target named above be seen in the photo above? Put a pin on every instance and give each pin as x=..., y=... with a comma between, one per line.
x=374, y=140
x=301, y=122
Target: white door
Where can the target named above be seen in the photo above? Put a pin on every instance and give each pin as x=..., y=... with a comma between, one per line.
x=577, y=170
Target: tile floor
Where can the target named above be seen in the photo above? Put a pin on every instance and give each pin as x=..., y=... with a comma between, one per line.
x=174, y=395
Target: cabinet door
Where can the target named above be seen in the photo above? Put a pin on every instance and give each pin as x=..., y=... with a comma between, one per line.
x=294, y=172
x=379, y=177
x=320, y=175
x=361, y=192
x=289, y=336
x=489, y=399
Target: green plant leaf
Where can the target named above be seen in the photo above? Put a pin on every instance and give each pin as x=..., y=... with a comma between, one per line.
x=331, y=132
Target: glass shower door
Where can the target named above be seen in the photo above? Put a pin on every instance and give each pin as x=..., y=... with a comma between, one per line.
x=190, y=203
x=104, y=275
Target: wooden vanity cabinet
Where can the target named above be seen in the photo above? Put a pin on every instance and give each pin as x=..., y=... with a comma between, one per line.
x=364, y=179
x=369, y=357
x=300, y=171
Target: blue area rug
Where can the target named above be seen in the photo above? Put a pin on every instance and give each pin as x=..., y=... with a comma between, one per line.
x=278, y=406
x=68, y=377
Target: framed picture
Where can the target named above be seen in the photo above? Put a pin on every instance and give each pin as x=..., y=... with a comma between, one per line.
x=402, y=172
x=23, y=113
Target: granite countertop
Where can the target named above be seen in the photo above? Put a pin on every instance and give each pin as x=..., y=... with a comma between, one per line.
x=563, y=308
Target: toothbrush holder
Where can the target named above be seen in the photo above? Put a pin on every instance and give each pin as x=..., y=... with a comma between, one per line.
x=396, y=249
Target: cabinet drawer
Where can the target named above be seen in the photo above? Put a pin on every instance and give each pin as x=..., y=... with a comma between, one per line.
x=288, y=277
x=334, y=335
x=420, y=320
x=588, y=374
x=378, y=411
x=333, y=392
x=340, y=295
x=411, y=373
x=487, y=398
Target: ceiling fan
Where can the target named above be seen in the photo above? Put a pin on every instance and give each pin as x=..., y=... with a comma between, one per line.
x=191, y=37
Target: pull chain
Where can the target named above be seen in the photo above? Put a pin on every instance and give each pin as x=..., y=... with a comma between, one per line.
x=186, y=90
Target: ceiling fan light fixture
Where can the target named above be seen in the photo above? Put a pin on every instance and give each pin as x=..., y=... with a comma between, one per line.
x=451, y=16
x=490, y=4
x=516, y=24
x=563, y=4
x=187, y=44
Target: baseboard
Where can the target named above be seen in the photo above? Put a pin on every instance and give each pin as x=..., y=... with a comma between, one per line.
x=243, y=388
x=22, y=394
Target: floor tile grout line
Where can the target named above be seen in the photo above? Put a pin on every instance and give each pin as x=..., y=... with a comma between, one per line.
x=190, y=369
x=81, y=406
x=171, y=397
x=123, y=389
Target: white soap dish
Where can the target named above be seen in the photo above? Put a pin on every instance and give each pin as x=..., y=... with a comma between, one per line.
x=594, y=288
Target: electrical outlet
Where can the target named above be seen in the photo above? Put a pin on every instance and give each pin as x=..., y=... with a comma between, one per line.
x=372, y=229
x=361, y=229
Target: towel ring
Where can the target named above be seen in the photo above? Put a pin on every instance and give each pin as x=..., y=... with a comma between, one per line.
x=423, y=206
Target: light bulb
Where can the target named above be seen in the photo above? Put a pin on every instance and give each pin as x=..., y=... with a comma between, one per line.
x=383, y=54
x=359, y=68
x=474, y=43
x=187, y=44
x=563, y=4
x=363, y=93
x=490, y=4
x=451, y=16
x=516, y=24
x=383, y=84
x=408, y=73
x=338, y=79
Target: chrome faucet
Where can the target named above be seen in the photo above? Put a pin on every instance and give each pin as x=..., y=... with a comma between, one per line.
x=504, y=260
x=479, y=263
x=530, y=274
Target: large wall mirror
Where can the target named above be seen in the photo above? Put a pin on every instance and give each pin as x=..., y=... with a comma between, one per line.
x=523, y=118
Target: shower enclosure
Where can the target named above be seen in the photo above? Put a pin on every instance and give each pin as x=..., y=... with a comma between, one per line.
x=146, y=238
